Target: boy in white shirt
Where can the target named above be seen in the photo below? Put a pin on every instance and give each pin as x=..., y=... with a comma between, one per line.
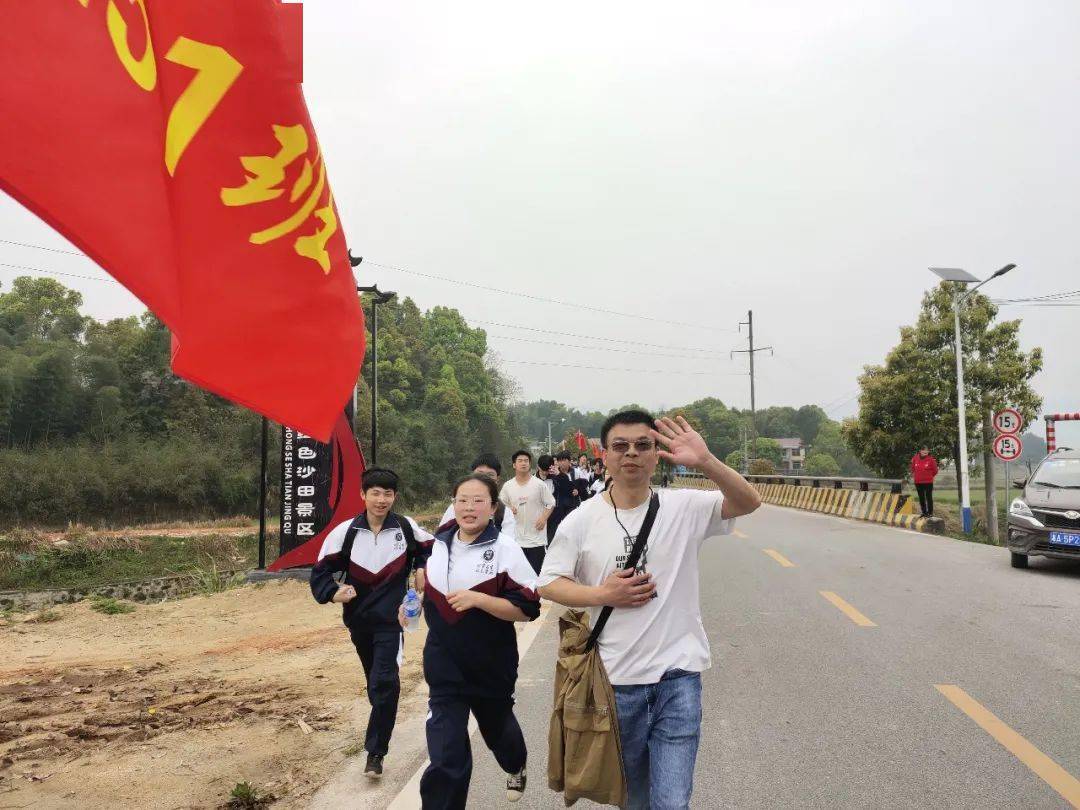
x=531, y=503
x=653, y=647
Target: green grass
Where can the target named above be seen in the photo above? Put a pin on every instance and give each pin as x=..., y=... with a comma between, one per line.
x=211, y=579
x=947, y=506
x=44, y=616
x=110, y=606
x=86, y=561
x=246, y=797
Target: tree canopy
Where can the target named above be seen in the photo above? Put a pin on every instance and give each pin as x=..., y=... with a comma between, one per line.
x=910, y=400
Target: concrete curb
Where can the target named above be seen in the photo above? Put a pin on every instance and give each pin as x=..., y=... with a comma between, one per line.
x=886, y=508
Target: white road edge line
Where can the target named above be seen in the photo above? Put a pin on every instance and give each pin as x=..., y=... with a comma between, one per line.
x=409, y=797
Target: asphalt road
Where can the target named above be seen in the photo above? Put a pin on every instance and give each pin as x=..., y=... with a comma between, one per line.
x=806, y=707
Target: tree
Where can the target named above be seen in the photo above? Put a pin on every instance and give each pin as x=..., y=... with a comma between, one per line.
x=822, y=464
x=734, y=459
x=761, y=466
x=768, y=449
x=42, y=309
x=778, y=422
x=830, y=441
x=809, y=420
x=911, y=399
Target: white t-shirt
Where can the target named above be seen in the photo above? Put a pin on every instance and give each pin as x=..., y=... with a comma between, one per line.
x=638, y=645
x=531, y=500
x=597, y=486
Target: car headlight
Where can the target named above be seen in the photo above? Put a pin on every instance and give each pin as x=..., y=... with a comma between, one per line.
x=1018, y=507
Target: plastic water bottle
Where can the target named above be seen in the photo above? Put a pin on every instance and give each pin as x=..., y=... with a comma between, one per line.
x=411, y=604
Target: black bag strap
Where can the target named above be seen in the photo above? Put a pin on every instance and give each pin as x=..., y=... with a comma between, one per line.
x=631, y=562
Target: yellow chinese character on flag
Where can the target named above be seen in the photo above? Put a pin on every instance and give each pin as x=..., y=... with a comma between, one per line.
x=265, y=181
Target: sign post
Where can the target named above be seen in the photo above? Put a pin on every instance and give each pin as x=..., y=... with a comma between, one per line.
x=1007, y=444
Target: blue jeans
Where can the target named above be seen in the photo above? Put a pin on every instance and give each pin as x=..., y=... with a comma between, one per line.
x=660, y=725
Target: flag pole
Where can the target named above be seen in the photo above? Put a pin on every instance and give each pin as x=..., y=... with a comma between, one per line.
x=262, y=494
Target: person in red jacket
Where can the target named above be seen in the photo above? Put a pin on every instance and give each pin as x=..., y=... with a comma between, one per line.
x=924, y=468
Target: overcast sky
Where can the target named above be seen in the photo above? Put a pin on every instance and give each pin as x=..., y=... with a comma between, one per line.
x=687, y=162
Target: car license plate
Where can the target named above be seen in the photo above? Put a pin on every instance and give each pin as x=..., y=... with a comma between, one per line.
x=1064, y=539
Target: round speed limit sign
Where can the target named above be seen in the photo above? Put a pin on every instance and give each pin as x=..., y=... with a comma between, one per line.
x=1008, y=421
x=1008, y=447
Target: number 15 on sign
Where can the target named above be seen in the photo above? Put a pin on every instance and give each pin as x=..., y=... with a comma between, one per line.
x=1008, y=447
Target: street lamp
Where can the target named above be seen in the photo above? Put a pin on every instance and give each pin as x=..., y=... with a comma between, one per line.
x=550, y=423
x=379, y=297
x=963, y=277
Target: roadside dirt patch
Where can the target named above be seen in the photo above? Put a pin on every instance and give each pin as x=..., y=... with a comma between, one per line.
x=172, y=705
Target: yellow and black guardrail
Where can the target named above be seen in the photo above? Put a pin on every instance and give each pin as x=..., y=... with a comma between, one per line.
x=855, y=498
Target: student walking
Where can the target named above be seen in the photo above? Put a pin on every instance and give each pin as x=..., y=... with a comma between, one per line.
x=924, y=469
x=532, y=503
x=377, y=552
x=478, y=585
x=567, y=491
x=653, y=647
x=544, y=466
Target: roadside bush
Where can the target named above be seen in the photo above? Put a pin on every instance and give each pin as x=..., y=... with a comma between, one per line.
x=127, y=481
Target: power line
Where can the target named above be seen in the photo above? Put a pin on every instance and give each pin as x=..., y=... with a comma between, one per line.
x=56, y=272
x=591, y=337
x=532, y=297
x=474, y=285
x=42, y=247
x=605, y=349
x=1047, y=297
x=629, y=370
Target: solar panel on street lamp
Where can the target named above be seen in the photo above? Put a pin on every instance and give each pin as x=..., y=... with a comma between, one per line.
x=953, y=274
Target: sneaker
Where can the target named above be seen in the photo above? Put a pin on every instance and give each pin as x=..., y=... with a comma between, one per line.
x=515, y=786
x=373, y=769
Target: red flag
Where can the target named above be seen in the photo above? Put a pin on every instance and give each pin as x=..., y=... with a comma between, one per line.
x=169, y=140
x=345, y=496
x=581, y=443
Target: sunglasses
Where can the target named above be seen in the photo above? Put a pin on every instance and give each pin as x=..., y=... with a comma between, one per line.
x=621, y=446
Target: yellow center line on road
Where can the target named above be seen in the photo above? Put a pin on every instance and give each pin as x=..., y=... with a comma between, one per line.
x=780, y=558
x=1067, y=785
x=847, y=609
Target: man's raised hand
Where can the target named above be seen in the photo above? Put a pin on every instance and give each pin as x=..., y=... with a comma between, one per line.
x=684, y=444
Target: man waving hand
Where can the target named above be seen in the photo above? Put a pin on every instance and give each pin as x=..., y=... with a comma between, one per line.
x=654, y=646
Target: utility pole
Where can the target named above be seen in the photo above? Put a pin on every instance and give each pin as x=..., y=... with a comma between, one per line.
x=378, y=297
x=749, y=322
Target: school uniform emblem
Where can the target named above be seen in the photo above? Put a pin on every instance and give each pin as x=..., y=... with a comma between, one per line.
x=489, y=555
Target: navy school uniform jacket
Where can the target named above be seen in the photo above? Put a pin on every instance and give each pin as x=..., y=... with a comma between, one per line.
x=378, y=568
x=565, y=485
x=473, y=653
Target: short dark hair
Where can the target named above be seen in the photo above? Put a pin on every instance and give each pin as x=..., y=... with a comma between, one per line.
x=562, y=455
x=487, y=460
x=519, y=453
x=545, y=461
x=379, y=477
x=483, y=479
x=633, y=417
x=597, y=461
